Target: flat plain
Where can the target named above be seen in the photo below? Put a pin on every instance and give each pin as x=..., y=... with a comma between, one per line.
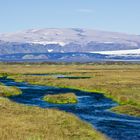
x=118, y=81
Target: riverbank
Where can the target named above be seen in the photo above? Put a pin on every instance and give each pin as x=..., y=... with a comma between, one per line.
x=6, y=91
x=92, y=108
x=20, y=122
x=119, y=82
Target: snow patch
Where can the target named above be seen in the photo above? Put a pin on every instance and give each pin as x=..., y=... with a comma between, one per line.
x=49, y=42
x=108, y=42
x=119, y=52
x=51, y=50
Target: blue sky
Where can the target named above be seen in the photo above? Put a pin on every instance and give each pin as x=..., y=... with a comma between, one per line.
x=110, y=15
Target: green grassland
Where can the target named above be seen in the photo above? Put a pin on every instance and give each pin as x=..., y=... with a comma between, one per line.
x=121, y=82
x=68, y=98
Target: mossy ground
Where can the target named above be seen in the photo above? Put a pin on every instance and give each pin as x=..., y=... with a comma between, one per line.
x=127, y=109
x=7, y=91
x=121, y=82
x=67, y=98
x=19, y=122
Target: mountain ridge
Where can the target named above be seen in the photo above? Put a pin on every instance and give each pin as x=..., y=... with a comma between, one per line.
x=68, y=35
x=65, y=40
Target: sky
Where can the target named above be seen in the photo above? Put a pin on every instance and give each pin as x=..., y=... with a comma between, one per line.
x=109, y=15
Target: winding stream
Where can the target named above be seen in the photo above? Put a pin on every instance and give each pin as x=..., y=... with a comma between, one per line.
x=93, y=108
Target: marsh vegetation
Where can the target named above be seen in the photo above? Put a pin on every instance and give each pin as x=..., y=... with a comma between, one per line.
x=6, y=91
x=119, y=82
x=67, y=98
x=19, y=122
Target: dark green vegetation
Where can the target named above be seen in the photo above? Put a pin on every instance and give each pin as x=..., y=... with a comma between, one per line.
x=117, y=81
x=68, y=98
x=73, y=77
x=6, y=91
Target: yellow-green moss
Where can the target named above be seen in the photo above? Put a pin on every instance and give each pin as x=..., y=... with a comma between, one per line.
x=20, y=122
x=120, y=82
x=68, y=98
x=127, y=109
x=6, y=91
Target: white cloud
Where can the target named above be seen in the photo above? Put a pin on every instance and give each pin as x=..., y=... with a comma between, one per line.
x=85, y=10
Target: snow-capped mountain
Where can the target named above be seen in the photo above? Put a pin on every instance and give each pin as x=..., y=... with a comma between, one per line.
x=66, y=36
x=69, y=40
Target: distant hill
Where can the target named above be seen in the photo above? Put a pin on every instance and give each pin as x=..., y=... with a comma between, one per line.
x=69, y=40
